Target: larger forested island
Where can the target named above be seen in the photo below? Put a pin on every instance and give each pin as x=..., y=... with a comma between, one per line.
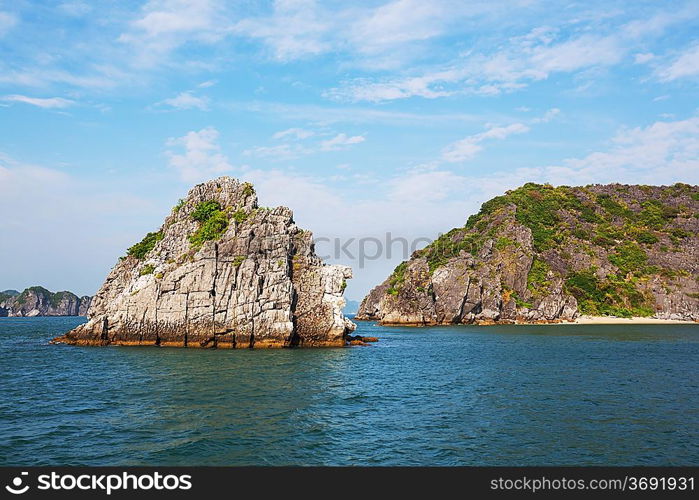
x=38, y=301
x=545, y=254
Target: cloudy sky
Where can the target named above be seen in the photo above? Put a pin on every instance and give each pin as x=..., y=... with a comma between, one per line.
x=370, y=117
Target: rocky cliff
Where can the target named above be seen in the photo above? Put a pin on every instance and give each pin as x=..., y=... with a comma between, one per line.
x=544, y=254
x=38, y=301
x=221, y=272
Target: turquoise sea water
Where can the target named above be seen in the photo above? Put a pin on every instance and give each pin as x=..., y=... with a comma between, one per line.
x=509, y=395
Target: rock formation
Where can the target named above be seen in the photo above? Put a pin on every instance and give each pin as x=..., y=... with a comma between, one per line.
x=545, y=254
x=221, y=272
x=38, y=301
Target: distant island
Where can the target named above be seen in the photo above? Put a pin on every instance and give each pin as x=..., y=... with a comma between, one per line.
x=38, y=301
x=351, y=307
x=543, y=254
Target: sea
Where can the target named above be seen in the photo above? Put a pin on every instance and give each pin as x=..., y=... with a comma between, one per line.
x=442, y=396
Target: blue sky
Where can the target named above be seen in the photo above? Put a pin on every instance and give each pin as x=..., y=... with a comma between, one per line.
x=365, y=118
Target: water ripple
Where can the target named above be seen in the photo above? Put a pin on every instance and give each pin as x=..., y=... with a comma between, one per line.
x=440, y=396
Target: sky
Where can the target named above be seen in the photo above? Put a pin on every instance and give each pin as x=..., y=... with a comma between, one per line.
x=368, y=119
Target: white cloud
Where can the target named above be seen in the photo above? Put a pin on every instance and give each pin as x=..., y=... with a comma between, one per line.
x=341, y=141
x=202, y=157
x=426, y=86
x=656, y=24
x=294, y=133
x=425, y=186
x=467, y=148
x=385, y=35
x=47, y=103
x=165, y=25
x=398, y=22
x=75, y=9
x=661, y=153
x=186, y=100
x=526, y=59
x=324, y=114
x=94, y=77
x=163, y=18
x=304, y=194
x=520, y=61
x=291, y=149
x=296, y=29
x=572, y=55
x=7, y=22
x=686, y=65
x=373, y=36
x=15, y=177
x=278, y=153
x=548, y=116
x=643, y=57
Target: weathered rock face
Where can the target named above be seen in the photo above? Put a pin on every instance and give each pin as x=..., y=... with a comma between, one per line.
x=38, y=301
x=544, y=254
x=221, y=272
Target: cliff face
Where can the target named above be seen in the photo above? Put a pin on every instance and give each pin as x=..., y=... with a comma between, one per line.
x=543, y=254
x=221, y=272
x=38, y=301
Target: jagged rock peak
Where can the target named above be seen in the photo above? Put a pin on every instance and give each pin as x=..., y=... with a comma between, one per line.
x=545, y=254
x=221, y=272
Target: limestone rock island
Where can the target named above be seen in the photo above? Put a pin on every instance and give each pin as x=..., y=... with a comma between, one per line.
x=38, y=301
x=547, y=254
x=221, y=272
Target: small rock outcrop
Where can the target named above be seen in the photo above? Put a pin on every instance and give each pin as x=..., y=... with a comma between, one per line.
x=545, y=254
x=221, y=272
x=38, y=301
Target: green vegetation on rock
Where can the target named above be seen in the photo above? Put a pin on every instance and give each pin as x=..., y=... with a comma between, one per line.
x=537, y=207
x=646, y=237
x=248, y=189
x=37, y=290
x=504, y=242
x=397, y=278
x=147, y=269
x=213, y=222
x=56, y=298
x=609, y=297
x=452, y=244
x=211, y=229
x=205, y=210
x=141, y=249
x=629, y=258
x=655, y=214
x=178, y=207
x=239, y=216
x=537, y=279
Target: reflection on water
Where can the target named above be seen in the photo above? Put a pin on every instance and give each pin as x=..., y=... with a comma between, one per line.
x=502, y=395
